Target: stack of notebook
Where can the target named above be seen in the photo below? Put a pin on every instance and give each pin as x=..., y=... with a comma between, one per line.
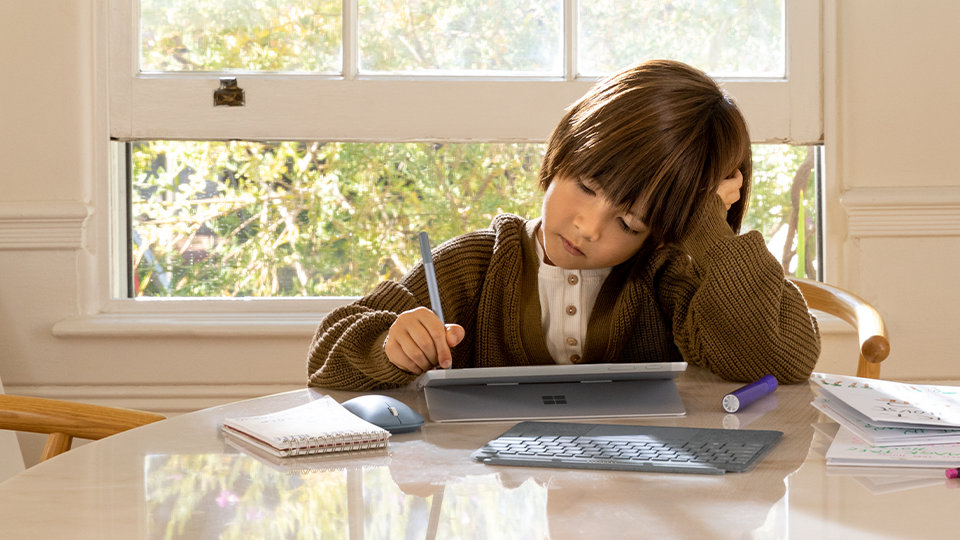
x=886, y=423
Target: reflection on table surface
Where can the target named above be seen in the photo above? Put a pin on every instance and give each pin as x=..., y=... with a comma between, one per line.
x=241, y=496
x=181, y=479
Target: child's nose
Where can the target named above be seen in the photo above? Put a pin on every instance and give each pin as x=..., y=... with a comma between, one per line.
x=589, y=225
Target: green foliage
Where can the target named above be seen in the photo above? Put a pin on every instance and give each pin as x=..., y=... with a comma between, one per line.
x=330, y=219
x=773, y=211
x=722, y=37
x=461, y=35
x=311, y=219
x=232, y=35
x=324, y=218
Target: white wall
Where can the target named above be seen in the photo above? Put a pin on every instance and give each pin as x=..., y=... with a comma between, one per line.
x=896, y=162
x=49, y=178
x=894, y=209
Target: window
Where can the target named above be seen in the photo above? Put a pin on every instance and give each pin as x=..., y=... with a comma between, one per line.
x=228, y=219
x=434, y=97
x=310, y=218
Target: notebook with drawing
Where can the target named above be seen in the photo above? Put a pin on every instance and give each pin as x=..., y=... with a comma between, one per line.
x=553, y=391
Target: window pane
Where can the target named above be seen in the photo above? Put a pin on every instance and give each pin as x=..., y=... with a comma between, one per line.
x=461, y=36
x=240, y=35
x=783, y=205
x=229, y=219
x=726, y=38
x=310, y=219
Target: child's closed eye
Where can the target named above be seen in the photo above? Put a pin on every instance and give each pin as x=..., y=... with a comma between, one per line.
x=583, y=187
x=627, y=228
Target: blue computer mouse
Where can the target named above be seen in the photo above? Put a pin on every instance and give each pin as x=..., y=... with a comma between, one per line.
x=389, y=413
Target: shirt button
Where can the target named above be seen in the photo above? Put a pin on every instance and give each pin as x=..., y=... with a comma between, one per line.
x=571, y=342
x=574, y=358
x=571, y=310
x=572, y=279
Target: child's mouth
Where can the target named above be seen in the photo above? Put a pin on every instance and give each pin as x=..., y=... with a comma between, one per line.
x=571, y=249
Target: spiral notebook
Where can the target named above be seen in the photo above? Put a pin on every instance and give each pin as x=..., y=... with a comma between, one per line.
x=319, y=427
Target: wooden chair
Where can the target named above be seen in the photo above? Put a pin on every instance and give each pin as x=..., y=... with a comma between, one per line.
x=64, y=420
x=874, y=343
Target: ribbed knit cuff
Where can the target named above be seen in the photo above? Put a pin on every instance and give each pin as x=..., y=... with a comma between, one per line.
x=382, y=369
x=708, y=228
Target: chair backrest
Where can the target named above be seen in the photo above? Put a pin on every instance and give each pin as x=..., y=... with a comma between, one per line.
x=11, y=458
x=872, y=333
x=64, y=420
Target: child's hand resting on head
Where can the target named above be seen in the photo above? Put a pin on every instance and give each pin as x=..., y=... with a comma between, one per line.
x=729, y=189
x=417, y=341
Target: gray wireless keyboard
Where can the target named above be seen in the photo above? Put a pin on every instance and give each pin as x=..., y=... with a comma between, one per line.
x=628, y=448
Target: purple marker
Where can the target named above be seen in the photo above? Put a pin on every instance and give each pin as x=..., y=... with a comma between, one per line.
x=741, y=397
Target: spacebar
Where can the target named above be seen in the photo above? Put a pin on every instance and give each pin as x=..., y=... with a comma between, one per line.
x=696, y=468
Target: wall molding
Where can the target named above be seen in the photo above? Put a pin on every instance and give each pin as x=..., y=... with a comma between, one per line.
x=41, y=225
x=902, y=212
x=164, y=399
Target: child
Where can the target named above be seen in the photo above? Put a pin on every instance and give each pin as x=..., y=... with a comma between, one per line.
x=634, y=259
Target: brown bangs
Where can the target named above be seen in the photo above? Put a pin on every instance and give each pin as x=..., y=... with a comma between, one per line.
x=660, y=133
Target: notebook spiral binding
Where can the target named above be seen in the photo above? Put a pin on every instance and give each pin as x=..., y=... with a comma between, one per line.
x=301, y=445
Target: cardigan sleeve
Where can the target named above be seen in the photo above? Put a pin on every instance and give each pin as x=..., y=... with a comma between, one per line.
x=347, y=349
x=733, y=310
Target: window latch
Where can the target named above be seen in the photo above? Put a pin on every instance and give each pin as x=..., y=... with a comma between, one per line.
x=229, y=94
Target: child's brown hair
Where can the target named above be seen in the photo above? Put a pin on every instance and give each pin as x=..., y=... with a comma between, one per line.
x=660, y=132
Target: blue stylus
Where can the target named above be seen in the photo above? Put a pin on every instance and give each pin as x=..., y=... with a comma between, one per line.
x=431, y=275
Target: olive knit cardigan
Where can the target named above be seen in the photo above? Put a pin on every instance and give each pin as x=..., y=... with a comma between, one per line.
x=719, y=301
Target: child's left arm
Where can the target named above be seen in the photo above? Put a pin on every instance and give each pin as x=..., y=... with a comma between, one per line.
x=733, y=310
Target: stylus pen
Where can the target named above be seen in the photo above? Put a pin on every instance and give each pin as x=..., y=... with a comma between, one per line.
x=431, y=275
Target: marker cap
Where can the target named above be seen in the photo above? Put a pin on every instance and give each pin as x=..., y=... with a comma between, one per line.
x=743, y=396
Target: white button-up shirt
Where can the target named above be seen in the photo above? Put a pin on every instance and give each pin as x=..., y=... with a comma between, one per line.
x=566, y=302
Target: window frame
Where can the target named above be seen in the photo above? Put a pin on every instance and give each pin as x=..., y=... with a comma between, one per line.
x=422, y=108
x=131, y=105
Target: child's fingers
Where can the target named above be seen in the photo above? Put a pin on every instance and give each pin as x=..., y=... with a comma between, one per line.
x=404, y=353
x=453, y=334
x=436, y=349
x=434, y=340
x=430, y=337
x=422, y=355
x=729, y=189
x=417, y=341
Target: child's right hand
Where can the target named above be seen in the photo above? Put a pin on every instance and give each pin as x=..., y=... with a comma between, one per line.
x=418, y=341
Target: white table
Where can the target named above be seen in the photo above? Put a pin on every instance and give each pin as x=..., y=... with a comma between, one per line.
x=180, y=479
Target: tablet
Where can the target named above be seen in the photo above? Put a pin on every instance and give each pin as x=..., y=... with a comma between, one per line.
x=550, y=373
x=552, y=391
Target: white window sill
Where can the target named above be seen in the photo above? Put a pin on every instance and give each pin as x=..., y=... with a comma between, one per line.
x=298, y=325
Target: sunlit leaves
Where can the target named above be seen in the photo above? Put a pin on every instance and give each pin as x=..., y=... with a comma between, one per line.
x=318, y=219
x=461, y=36
x=241, y=35
x=740, y=38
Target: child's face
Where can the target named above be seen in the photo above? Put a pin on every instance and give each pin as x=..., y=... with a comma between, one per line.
x=582, y=230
